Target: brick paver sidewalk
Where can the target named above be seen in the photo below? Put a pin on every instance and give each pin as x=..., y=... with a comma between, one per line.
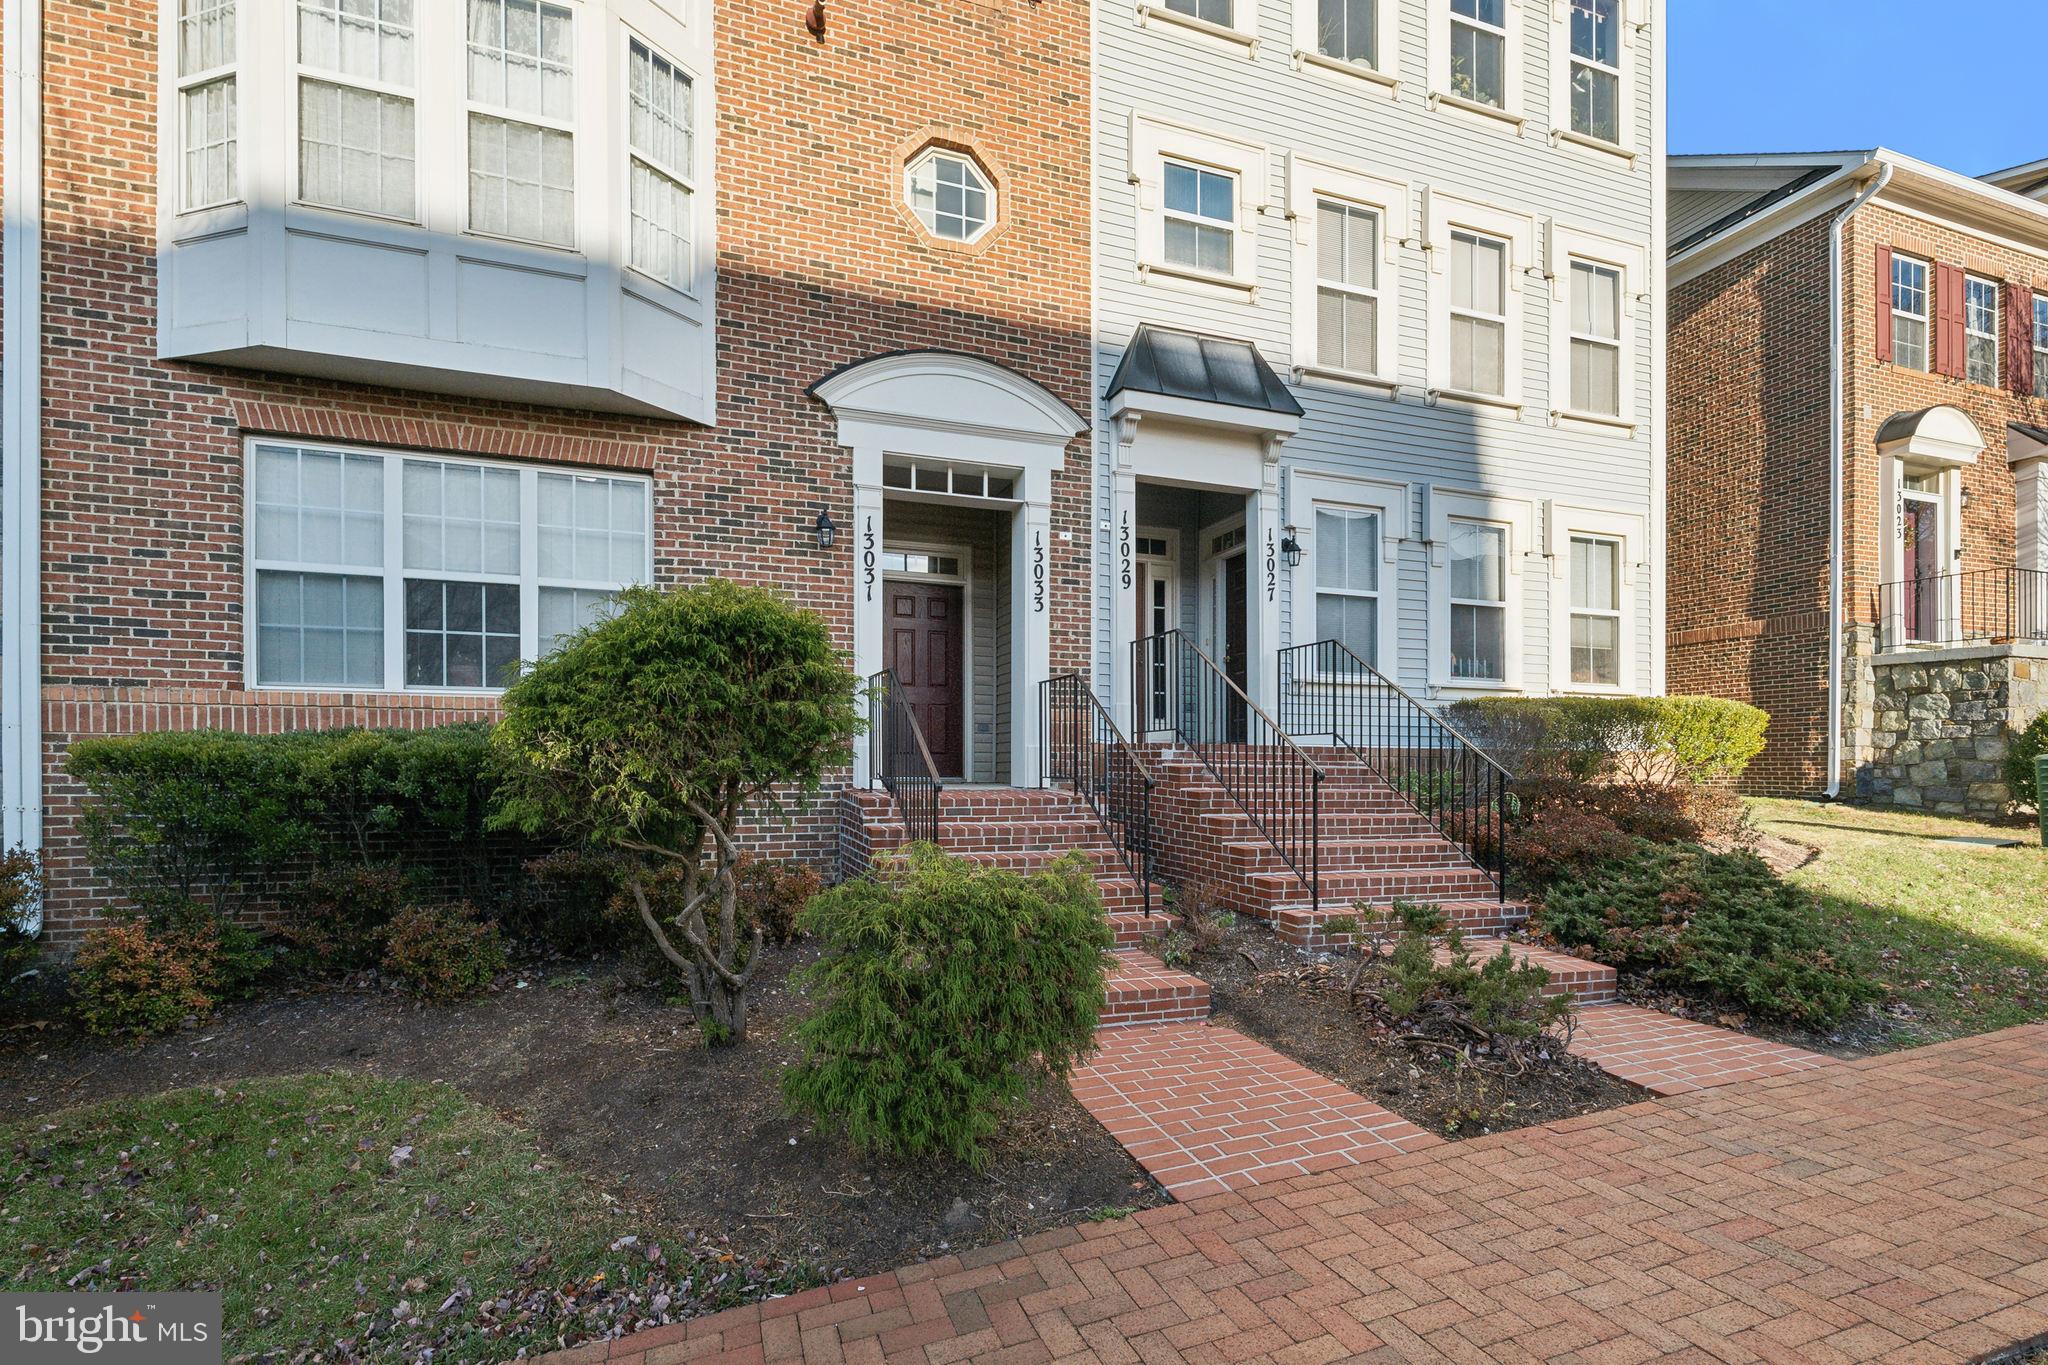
x=1893, y=1209
x=1204, y=1108
x=1670, y=1056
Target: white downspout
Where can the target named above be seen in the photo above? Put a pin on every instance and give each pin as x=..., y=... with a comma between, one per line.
x=21, y=447
x=1837, y=438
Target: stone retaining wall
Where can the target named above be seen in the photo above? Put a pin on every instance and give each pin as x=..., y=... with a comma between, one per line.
x=1935, y=733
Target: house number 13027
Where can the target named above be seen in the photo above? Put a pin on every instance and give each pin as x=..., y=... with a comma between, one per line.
x=1272, y=569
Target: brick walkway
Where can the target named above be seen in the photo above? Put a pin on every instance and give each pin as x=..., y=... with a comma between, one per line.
x=1892, y=1210
x=1670, y=1056
x=1204, y=1109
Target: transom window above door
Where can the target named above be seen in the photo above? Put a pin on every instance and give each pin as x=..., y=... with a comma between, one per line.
x=960, y=481
x=1201, y=218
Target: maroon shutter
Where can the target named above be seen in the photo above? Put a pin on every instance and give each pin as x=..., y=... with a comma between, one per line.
x=1948, y=301
x=1884, y=302
x=2019, y=338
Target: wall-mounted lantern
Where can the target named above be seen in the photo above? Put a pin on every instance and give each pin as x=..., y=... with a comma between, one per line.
x=827, y=532
x=1291, y=548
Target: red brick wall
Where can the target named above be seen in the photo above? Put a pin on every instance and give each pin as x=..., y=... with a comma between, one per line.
x=819, y=266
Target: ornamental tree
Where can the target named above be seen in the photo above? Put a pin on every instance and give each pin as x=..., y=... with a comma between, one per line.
x=654, y=732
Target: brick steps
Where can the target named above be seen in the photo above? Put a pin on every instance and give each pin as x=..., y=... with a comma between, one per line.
x=1354, y=855
x=1302, y=926
x=1144, y=990
x=1136, y=929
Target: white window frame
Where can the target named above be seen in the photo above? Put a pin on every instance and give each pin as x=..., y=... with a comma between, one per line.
x=689, y=177
x=1384, y=74
x=1394, y=504
x=1309, y=183
x=1239, y=37
x=1970, y=332
x=1155, y=142
x=1508, y=112
x=1444, y=215
x=1632, y=15
x=2040, y=344
x=1566, y=245
x=1631, y=531
x=1925, y=317
x=989, y=189
x=574, y=126
x=299, y=74
x=1517, y=516
x=178, y=85
x=393, y=573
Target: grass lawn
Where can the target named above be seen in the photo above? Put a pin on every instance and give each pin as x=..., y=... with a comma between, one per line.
x=1959, y=934
x=393, y=1215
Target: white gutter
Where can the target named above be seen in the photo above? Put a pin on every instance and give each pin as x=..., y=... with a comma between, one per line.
x=21, y=450
x=1837, y=439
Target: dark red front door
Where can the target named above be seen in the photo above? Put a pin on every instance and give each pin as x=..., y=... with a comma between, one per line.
x=924, y=647
x=1236, y=641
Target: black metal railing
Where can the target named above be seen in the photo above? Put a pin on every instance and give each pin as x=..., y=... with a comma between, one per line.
x=899, y=761
x=1328, y=691
x=1079, y=744
x=1981, y=606
x=1178, y=690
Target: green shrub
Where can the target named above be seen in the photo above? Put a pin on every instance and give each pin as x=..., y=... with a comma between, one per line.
x=943, y=992
x=443, y=953
x=1639, y=740
x=1721, y=925
x=133, y=979
x=1400, y=979
x=21, y=892
x=1709, y=739
x=2026, y=746
x=337, y=923
x=653, y=732
x=773, y=893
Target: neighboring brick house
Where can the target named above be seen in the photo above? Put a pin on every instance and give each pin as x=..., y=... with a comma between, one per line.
x=315, y=306
x=1894, y=667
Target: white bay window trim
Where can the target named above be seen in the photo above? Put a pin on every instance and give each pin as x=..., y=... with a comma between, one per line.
x=394, y=100
x=1442, y=91
x=1516, y=518
x=388, y=568
x=1236, y=32
x=1566, y=246
x=1632, y=15
x=1384, y=72
x=1155, y=142
x=1446, y=216
x=1563, y=522
x=1393, y=503
x=1310, y=183
x=204, y=44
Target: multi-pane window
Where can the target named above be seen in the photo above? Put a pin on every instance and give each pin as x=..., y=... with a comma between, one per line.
x=2041, y=347
x=1596, y=612
x=1479, y=600
x=950, y=196
x=356, y=61
x=414, y=572
x=1347, y=555
x=661, y=154
x=1212, y=11
x=1980, y=330
x=1479, y=51
x=1596, y=339
x=1479, y=323
x=1909, y=312
x=1200, y=218
x=1347, y=287
x=206, y=103
x=522, y=148
x=1348, y=30
x=1596, y=69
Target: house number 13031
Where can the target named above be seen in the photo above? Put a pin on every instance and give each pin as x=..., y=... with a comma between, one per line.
x=867, y=557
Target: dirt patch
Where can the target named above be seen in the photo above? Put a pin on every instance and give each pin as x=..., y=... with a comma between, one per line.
x=1278, y=995
x=615, y=1083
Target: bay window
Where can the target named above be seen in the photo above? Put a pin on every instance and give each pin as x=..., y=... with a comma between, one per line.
x=522, y=92
x=392, y=572
x=1347, y=568
x=208, y=170
x=355, y=104
x=1595, y=612
x=1478, y=590
x=661, y=142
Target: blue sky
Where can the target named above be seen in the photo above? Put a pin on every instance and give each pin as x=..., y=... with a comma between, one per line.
x=1793, y=76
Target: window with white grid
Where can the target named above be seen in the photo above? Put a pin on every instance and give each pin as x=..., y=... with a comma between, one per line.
x=522, y=96
x=1479, y=593
x=1479, y=51
x=1479, y=319
x=1596, y=69
x=1909, y=312
x=357, y=140
x=1347, y=562
x=1596, y=612
x=1348, y=30
x=593, y=537
x=1596, y=339
x=2040, y=346
x=208, y=129
x=1347, y=244
x=661, y=140
x=1200, y=218
x=1980, y=330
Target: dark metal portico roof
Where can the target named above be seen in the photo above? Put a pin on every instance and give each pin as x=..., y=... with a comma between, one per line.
x=1201, y=369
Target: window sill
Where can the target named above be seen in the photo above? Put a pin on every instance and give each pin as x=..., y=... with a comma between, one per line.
x=1247, y=42
x=1229, y=285
x=1481, y=400
x=1305, y=60
x=1477, y=686
x=1624, y=425
x=1440, y=100
x=1567, y=137
x=1386, y=388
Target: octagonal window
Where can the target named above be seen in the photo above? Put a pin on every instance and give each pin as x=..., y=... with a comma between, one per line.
x=950, y=195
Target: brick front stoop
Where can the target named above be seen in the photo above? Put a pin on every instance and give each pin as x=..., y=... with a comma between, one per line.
x=1884, y=1210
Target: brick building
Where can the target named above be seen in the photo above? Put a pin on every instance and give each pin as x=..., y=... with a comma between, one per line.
x=1859, y=382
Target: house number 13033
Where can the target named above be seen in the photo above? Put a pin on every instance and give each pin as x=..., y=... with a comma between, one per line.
x=1038, y=573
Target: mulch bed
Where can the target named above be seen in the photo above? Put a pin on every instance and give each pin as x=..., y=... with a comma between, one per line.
x=1259, y=987
x=615, y=1083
